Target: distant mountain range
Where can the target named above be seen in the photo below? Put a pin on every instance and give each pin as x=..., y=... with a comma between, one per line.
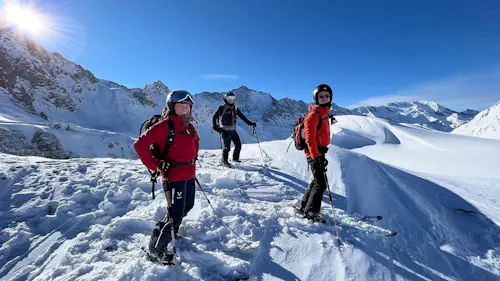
x=42, y=92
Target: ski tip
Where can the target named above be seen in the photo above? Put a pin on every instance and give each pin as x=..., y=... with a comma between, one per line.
x=394, y=233
x=379, y=217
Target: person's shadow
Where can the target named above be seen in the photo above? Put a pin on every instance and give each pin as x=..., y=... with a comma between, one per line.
x=300, y=186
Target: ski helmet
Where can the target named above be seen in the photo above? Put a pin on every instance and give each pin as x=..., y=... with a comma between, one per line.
x=321, y=88
x=176, y=97
x=229, y=95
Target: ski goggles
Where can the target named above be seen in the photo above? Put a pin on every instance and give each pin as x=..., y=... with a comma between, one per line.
x=231, y=98
x=182, y=97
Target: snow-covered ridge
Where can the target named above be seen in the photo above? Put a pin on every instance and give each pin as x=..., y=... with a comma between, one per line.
x=426, y=114
x=486, y=124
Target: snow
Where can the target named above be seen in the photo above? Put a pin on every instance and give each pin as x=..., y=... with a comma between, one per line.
x=427, y=114
x=87, y=218
x=486, y=124
x=80, y=141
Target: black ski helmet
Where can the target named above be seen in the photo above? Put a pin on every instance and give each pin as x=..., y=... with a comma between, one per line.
x=321, y=88
x=176, y=97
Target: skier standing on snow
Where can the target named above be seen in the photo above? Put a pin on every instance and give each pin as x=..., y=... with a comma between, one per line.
x=224, y=122
x=317, y=146
x=171, y=146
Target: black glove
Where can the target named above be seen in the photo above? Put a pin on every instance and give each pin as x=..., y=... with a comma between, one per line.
x=319, y=163
x=323, y=150
x=217, y=129
x=253, y=124
x=332, y=119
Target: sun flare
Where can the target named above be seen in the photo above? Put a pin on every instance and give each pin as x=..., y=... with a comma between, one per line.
x=24, y=18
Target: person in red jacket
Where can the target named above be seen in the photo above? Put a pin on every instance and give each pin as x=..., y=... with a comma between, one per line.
x=317, y=146
x=176, y=160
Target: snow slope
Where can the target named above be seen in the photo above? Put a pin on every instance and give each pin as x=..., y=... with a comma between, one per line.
x=485, y=125
x=87, y=219
x=17, y=131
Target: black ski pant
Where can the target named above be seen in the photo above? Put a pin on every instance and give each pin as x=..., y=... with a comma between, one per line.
x=311, y=201
x=229, y=136
x=181, y=195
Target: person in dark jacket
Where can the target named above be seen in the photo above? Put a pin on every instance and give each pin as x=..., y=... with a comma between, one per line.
x=224, y=122
x=177, y=165
x=317, y=146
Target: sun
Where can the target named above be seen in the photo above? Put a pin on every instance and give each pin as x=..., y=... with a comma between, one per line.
x=24, y=18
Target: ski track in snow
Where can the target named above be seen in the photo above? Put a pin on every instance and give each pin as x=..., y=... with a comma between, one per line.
x=87, y=219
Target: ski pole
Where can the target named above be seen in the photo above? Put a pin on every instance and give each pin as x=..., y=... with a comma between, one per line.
x=258, y=142
x=289, y=146
x=339, y=242
x=210, y=204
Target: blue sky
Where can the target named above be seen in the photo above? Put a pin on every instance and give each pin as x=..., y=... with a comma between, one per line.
x=370, y=52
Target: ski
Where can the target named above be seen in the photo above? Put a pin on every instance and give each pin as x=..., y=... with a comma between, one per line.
x=356, y=224
x=371, y=218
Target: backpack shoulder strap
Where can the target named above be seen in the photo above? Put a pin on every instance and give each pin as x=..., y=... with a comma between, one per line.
x=192, y=130
x=170, y=138
x=320, y=120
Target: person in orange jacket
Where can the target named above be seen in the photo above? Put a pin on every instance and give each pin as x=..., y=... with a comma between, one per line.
x=317, y=146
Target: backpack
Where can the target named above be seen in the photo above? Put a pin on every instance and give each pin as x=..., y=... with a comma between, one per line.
x=234, y=111
x=155, y=149
x=298, y=131
x=146, y=125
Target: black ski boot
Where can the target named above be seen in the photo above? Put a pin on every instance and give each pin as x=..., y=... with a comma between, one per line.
x=164, y=257
x=315, y=217
x=226, y=164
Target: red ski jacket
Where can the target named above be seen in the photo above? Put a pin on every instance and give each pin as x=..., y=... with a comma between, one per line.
x=184, y=148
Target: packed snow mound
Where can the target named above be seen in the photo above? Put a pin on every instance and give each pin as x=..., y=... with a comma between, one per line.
x=427, y=151
x=485, y=125
x=87, y=219
x=358, y=131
